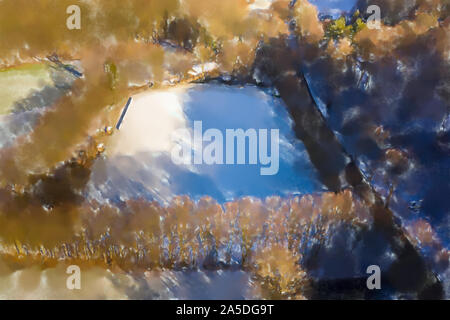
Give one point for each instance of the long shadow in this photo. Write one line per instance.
(279, 62)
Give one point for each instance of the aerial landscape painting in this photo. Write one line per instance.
(224, 149)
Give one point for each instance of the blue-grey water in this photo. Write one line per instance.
(147, 170)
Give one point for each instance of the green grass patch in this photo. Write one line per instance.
(18, 82)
